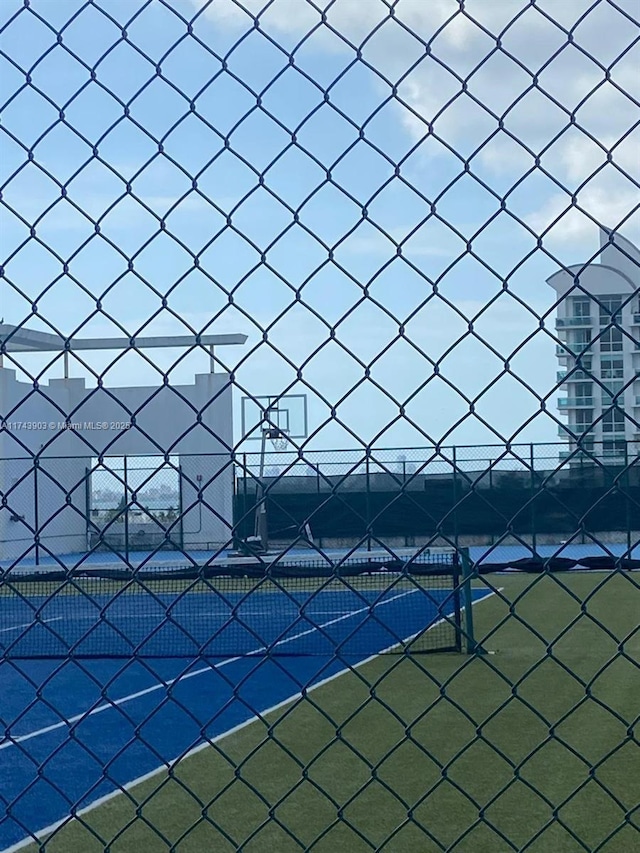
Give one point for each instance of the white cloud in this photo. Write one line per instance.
(567, 223)
(553, 96)
(354, 20)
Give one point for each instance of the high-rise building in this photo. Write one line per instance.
(598, 326)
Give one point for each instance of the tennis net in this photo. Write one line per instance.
(357, 606)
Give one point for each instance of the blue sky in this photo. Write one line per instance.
(255, 150)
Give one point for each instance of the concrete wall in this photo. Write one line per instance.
(186, 421)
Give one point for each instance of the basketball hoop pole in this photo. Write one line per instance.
(260, 530)
(278, 419)
(274, 434)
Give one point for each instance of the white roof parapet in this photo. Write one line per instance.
(17, 339)
(615, 270)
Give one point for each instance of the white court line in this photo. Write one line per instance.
(31, 624)
(7, 742)
(202, 746)
(240, 612)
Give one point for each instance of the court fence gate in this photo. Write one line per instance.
(118, 522)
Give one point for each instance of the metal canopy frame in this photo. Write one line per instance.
(19, 339)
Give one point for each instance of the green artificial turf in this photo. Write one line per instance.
(531, 746)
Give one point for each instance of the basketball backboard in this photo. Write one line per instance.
(286, 414)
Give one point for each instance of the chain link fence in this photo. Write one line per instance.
(298, 298)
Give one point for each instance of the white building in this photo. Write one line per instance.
(598, 324)
(53, 436)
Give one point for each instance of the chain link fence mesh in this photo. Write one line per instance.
(413, 224)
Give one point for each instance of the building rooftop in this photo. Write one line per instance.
(617, 267)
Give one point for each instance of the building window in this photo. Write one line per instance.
(583, 393)
(614, 448)
(613, 421)
(583, 420)
(583, 389)
(610, 309)
(581, 338)
(611, 368)
(611, 340)
(581, 308)
(613, 388)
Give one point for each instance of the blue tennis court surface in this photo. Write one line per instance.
(95, 725)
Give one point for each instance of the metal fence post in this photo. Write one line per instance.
(627, 496)
(180, 508)
(36, 510)
(534, 537)
(368, 497)
(455, 496)
(87, 504)
(126, 511)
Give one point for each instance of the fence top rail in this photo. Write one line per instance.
(452, 454)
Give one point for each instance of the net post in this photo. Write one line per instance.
(473, 648)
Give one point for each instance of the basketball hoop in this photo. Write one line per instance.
(279, 438)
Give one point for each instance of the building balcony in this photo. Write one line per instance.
(570, 350)
(564, 322)
(575, 402)
(572, 429)
(635, 319)
(574, 376)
